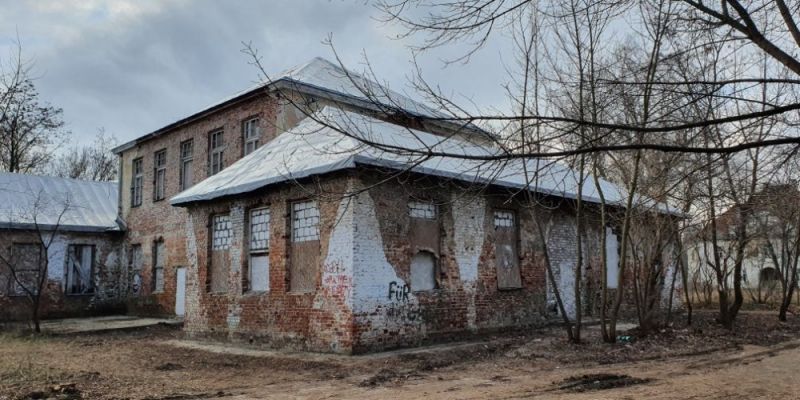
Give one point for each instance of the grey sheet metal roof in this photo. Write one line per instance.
(320, 77)
(317, 146)
(49, 202)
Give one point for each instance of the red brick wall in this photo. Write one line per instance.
(318, 320)
(155, 220)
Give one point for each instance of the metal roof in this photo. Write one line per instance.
(323, 78)
(28, 201)
(318, 145)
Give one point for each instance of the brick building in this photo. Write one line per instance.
(66, 232)
(266, 217)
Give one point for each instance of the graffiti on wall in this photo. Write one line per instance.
(400, 306)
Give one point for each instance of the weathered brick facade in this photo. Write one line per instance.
(355, 291)
(107, 296)
(156, 220)
(362, 300)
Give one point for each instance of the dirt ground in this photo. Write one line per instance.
(759, 360)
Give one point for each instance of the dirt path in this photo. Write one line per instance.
(761, 360)
(752, 373)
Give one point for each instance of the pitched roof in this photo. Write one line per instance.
(324, 78)
(317, 146)
(46, 201)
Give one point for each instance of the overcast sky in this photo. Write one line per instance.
(132, 66)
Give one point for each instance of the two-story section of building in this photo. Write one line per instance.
(161, 164)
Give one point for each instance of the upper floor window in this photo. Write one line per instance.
(252, 135)
(187, 155)
(159, 174)
(216, 146)
(137, 179)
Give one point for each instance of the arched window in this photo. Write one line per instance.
(423, 271)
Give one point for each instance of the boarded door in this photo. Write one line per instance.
(180, 292)
(505, 252)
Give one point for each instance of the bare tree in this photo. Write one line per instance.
(95, 162)
(28, 264)
(30, 129)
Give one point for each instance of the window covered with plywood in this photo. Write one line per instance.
(305, 246)
(259, 250)
(506, 254)
(221, 238)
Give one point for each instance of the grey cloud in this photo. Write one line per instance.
(133, 74)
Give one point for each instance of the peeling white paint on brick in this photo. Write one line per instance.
(381, 299)
(469, 215)
(337, 273)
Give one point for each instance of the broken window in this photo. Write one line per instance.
(159, 174)
(28, 259)
(221, 237)
(216, 145)
(187, 155)
(505, 254)
(423, 271)
(80, 269)
(612, 259)
(252, 135)
(158, 265)
(259, 249)
(305, 254)
(137, 180)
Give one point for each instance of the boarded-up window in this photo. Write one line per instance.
(135, 264)
(612, 259)
(158, 265)
(80, 269)
(424, 226)
(221, 237)
(505, 254)
(305, 252)
(423, 271)
(28, 260)
(259, 250)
